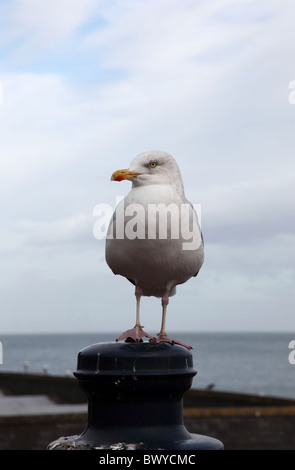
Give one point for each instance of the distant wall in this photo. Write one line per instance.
(36, 432)
(59, 389)
(236, 430)
(251, 430)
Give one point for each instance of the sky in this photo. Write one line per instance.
(85, 87)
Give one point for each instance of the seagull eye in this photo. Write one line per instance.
(153, 164)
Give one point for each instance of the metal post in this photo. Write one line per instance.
(135, 395)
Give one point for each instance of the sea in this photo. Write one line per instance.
(255, 363)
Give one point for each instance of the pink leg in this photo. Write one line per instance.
(136, 333)
(162, 336)
(165, 302)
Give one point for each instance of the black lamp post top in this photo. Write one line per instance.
(140, 359)
(134, 393)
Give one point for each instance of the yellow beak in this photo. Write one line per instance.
(120, 175)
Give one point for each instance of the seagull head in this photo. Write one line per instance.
(153, 167)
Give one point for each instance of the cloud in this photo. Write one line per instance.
(68, 231)
(52, 129)
(273, 258)
(248, 213)
(34, 28)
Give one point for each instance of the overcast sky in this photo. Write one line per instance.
(86, 86)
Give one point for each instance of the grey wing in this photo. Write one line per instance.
(194, 210)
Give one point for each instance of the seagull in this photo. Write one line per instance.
(154, 238)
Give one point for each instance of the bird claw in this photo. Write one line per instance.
(135, 335)
(163, 338)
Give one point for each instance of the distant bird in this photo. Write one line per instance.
(210, 386)
(154, 238)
